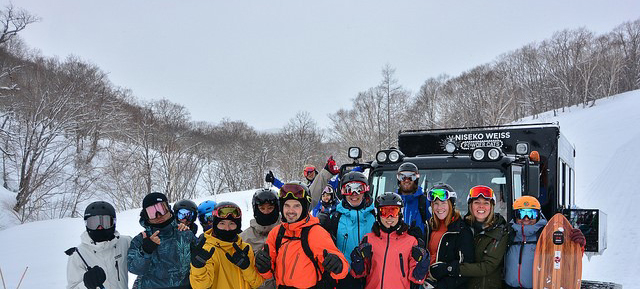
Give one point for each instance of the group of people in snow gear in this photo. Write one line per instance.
(405, 239)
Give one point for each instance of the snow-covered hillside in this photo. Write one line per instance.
(606, 175)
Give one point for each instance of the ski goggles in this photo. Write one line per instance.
(441, 194)
(354, 188)
(407, 175)
(327, 190)
(184, 214)
(206, 218)
(295, 190)
(481, 191)
(389, 211)
(157, 210)
(532, 214)
(104, 221)
(308, 170)
(227, 211)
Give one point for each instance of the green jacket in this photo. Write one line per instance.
(490, 247)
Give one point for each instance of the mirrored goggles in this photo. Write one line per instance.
(532, 214)
(184, 214)
(104, 221)
(387, 211)
(157, 210)
(441, 194)
(226, 211)
(206, 218)
(481, 191)
(354, 188)
(407, 175)
(297, 191)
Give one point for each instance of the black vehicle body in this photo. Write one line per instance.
(509, 172)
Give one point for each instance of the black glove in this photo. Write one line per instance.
(576, 236)
(418, 253)
(148, 246)
(332, 262)
(323, 218)
(269, 178)
(421, 256)
(199, 255)
(357, 261)
(240, 258)
(417, 232)
(94, 277)
(440, 269)
(263, 260)
(365, 248)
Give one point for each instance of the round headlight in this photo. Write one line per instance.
(450, 147)
(394, 156)
(478, 154)
(522, 148)
(381, 157)
(493, 154)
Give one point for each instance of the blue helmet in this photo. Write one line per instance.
(204, 208)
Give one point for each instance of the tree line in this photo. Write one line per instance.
(68, 135)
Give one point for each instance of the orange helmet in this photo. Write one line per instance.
(526, 202)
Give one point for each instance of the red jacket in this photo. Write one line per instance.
(291, 266)
(391, 265)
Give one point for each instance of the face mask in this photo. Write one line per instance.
(224, 235)
(102, 235)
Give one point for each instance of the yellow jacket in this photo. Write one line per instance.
(219, 272)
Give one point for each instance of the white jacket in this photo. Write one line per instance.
(111, 256)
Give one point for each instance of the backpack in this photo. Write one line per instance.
(325, 280)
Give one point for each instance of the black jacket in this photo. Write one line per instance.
(456, 245)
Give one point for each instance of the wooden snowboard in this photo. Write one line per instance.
(558, 261)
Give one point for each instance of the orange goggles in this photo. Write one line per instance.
(389, 211)
(481, 191)
(226, 211)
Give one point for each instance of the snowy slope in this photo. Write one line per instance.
(605, 137)
(607, 166)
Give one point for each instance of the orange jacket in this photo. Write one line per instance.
(291, 266)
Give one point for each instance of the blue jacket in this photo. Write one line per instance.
(321, 209)
(277, 183)
(517, 273)
(411, 212)
(169, 264)
(352, 226)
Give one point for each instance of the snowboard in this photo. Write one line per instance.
(558, 260)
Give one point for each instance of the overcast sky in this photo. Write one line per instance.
(263, 61)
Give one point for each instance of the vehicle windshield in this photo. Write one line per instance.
(461, 180)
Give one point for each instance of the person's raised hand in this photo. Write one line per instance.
(151, 243)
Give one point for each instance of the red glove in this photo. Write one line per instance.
(331, 166)
(576, 236)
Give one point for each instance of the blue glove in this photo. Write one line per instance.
(421, 256)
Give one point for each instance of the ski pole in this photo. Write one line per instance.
(23, 273)
(2, 277)
(70, 251)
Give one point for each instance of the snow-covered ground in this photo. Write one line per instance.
(606, 178)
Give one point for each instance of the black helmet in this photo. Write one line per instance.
(453, 196)
(294, 187)
(265, 196)
(408, 167)
(99, 208)
(389, 199)
(186, 204)
(353, 176)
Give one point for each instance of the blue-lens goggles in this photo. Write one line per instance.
(532, 214)
(184, 214)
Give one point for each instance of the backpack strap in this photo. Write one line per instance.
(279, 238)
(304, 239)
(332, 225)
